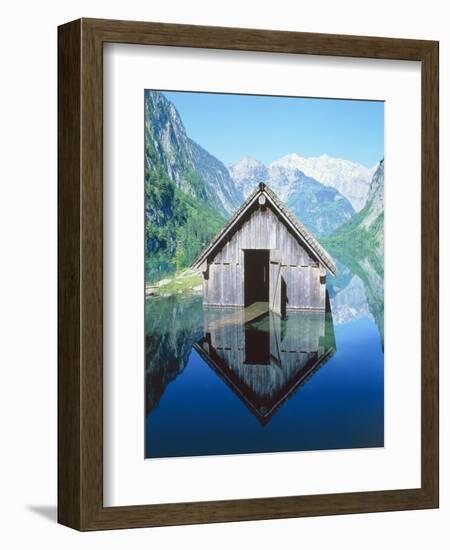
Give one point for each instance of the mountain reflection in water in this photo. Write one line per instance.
(216, 384)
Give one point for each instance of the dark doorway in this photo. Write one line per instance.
(256, 276)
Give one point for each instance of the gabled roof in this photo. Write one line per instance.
(297, 228)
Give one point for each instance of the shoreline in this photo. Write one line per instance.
(186, 281)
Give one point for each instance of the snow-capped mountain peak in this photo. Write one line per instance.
(244, 165)
(246, 173)
(322, 208)
(291, 161)
(348, 177)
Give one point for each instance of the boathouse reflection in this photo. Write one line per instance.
(267, 358)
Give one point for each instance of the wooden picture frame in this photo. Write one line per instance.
(80, 271)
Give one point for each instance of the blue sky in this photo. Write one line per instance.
(267, 128)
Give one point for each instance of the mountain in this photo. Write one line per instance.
(373, 219)
(319, 207)
(247, 173)
(188, 192)
(364, 234)
(322, 209)
(186, 163)
(351, 179)
(222, 192)
(359, 244)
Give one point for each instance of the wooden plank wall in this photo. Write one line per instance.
(304, 289)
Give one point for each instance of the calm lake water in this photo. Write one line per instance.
(311, 381)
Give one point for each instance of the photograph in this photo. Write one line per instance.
(264, 274)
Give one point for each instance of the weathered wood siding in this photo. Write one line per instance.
(290, 263)
(304, 289)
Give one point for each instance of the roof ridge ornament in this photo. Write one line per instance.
(262, 186)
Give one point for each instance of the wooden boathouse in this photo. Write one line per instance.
(265, 255)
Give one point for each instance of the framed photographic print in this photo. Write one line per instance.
(248, 274)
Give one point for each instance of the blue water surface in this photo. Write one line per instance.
(198, 403)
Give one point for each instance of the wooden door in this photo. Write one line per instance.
(275, 282)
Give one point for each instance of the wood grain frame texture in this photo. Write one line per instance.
(80, 273)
